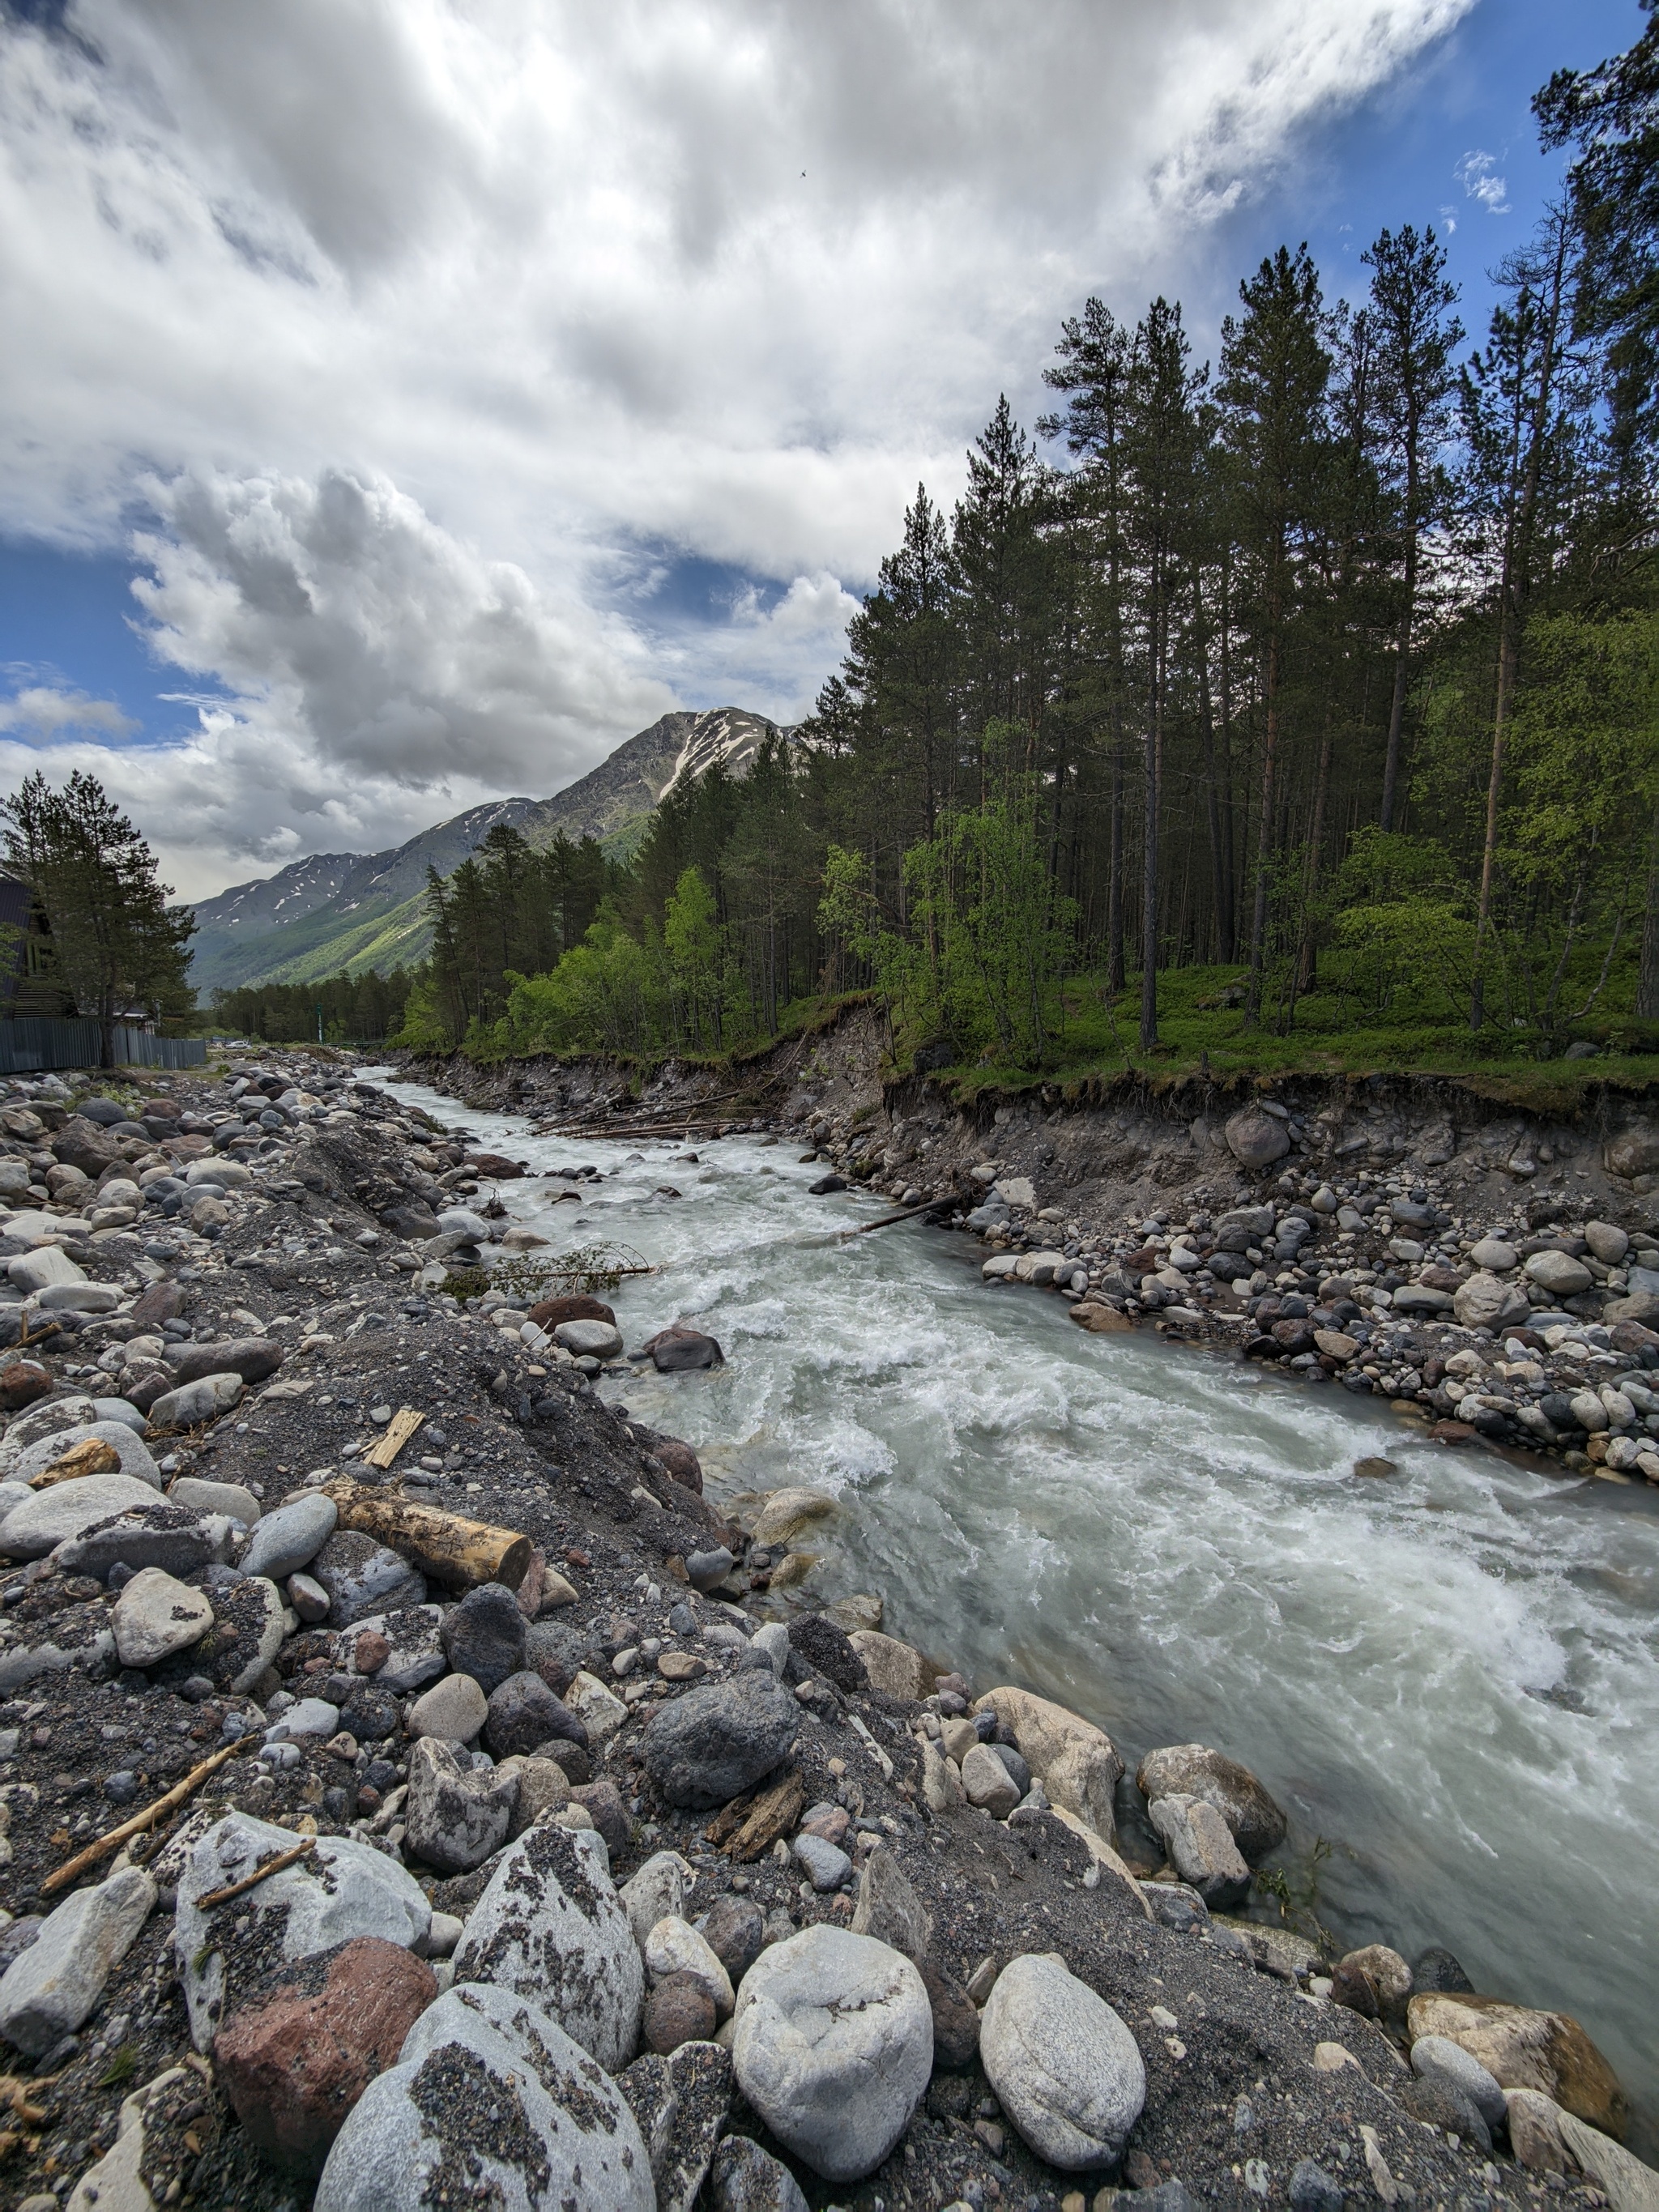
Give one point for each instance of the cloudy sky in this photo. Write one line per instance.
(406, 400)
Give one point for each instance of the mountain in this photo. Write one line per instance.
(358, 911)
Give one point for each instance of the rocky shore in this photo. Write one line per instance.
(520, 1842)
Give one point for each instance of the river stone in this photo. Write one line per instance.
(787, 1514)
(52, 1987)
(39, 1269)
(987, 1782)
(543, 1788)
(827, 1648)
(153, 1535)
(251, 1357)
(1255, 1139)
(1559, 1274)
(1437, 2057)
(1076, 1762)
(1495, 1255)
(895, 1669)
(1193, 1770)
(1634, 1151)
(1201, 1848)
(889, 1909)
(682, 2103)
(201, 1496)
(941, 1783)
(524, 1714)
(674, 1947)
(414, 1654)
(589, 1339)
(734, 1929)
(485, 1635)
(833, 2047)
(364, 1578)
(1525, 2050)
(1628, 2184)
(682, 1351)
(452, 1710)
(341, 1889)
(744, 2178)
(1534, 2125)
(1607, 1243)
(291, 1537)
(1486, 1301)
(1065, 2067)
(456, 1815)
(678, 2011)
(711, 1744)
(248, 1633)
(550, 1926)
(42, 1520)
(655, 1892)
(156, 1616)
(492, 2102)
(129, 1449)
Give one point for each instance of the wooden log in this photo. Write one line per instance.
(750, 1825)
(92, 1456)
(446, 1546)
(140, 1821)
(907, 1213)
(403, 1427)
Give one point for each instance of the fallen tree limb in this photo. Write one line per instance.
(135, 1826)
(446, 1546)
(907, 1213)
(252, 1880)
(403, 1427)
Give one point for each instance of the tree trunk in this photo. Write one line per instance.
(1647, 978)
(1264, 835)
(1115, 969)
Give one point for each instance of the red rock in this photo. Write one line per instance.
(577, 1307)
(575, 1559)
(1451, 1432)
(161, 1301)
(831, 1825)
(680, 1461)
(21, 1383)
(495, 1166)
(295, 2060)
(531, 1589)
(370, 1652)
(679, 2010)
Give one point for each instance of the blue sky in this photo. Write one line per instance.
(687, 546)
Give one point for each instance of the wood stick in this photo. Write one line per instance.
(252, 1880)
(908, 1213)
(446, 1545)
(403, 1427)
(140, 1821)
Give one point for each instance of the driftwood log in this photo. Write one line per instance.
(446, 1546)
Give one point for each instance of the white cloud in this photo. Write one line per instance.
(1476, 173)
(556, 282)
(50, 710)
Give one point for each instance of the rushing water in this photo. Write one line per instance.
(1450, 1675)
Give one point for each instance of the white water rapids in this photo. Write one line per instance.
(1451, 1674)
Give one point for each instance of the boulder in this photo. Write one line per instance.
(1437, 2056)
(550, 1927)
(712, 1743)
(1521, 2048)
(895, 1669)
(941, 1783)
(1627, 2182)
(833, 2047)
(254, 1358)
(158, 1535)
(52, 1987)
(1201, 1848)
(1193, 1770)
(202, 1495)
(1255, 1139)
(49, 1419)
(341, 1889)
(734, 1929)
(485, 1635)
(42, 1520)
(674, 1948)
(1534, 2125)
(1076, 1762)
(131, 1453)
(544, 1787)
(681, 1351)
(1065, 2067)
(548, 1313)
(828, 1650)
(295, 2059)
(524, 1714)
(678, 2011)
(1495, 1255)
(38, 1270)
(1559, 1274)
(415, 1652)
(156, 1616)
(290, 1538)
(1634, 1151)
(492, 2103)
(987, 1784)
(452, 1710)
(743, 2178)
(192, 1403)
(248, 1630)
(1487, 1301)
(589, 1339)
(680, 2103)
(788, 1514)
(456, 1815)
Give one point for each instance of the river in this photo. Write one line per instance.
(1451, 1675)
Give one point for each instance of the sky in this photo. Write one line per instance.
(406, 401)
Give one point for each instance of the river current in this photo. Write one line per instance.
(1450, 1675)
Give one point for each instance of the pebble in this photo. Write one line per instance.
(825, 1865)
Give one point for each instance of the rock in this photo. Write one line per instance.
(712, 1743)
(1526, 2049)
(589, 1339)
(22, 1382)
(309, 1599)
(894, 1669)
(80, 1297)
(157, 1535)
(415, 1652)
(115, 2183)
(682, 1463)
(451, 1711)
(485, 1635)
(291, 1537)
(193, 1402)
(51, 1988)
(295, 2060)
(254, 1358)
(790, 1513)
(679, 1351)
(1607, 1243)
(248, 1631)
(133, 1455)
(674, 1948)
(1065, 2067)
(743, 2178)
(1386, 1971)
(823, 1185)
(46, 1518)
(889, 1909)
(770, 1642)
(705, 1570)
(548, 1313)
(833, 2047)
(1075, 1761)
(549, 1927)
(1313, 2190)
(199, 1496)
(364, 1579)
(826, 1865)
(941, 1784)
(490, 2103)
(1534, 2126)
(1100, 1319)
(828, 1650)
(734, 1929)
(1201, 1848)
(1438, 1971)
(1559, 1274)
(1634, 1151)
(1485, 1301)
(678, 2011)
(524, 1714)
(370, 1714)
(38, 1270)
(456, 1814)
(1420, 1297)
(1257, 1824)
(599, 1712)
(987, 1784)
(1255, 1139)
(1629, 2184)
(156, 1616)
(603, 1803)
(955, 2023)
(655, 1891)
(1437, 2056)
(543, 1788)
(340, 1890)
(680, 2103)
(1494, 1255)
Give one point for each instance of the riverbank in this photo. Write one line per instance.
(314, 1273)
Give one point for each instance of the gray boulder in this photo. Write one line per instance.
(524, 1713)
(156, 1615)
(485, 1635)
(37, 1521)
(490, 2102)
(290, 1538)
(1193, 1770)
(49, 1990)
(680, 2103)
(1201, 1848)
(158, 1535)
(712, 1744)
(250, 1357)
(203, 1400)
(550, 1926)
(889, 1908)
(833, 2047)
(363, 1578)
(456, 1814)
(744, 2178)
(654, 1891)
(1255, 1139)
(453, 1709)
(1064, 2066)
(1437, 2057)
(50, 1418)
(129, 1449)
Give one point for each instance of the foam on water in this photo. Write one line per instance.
(1450, 1675)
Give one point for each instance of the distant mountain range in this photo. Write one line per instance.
(358, 911)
